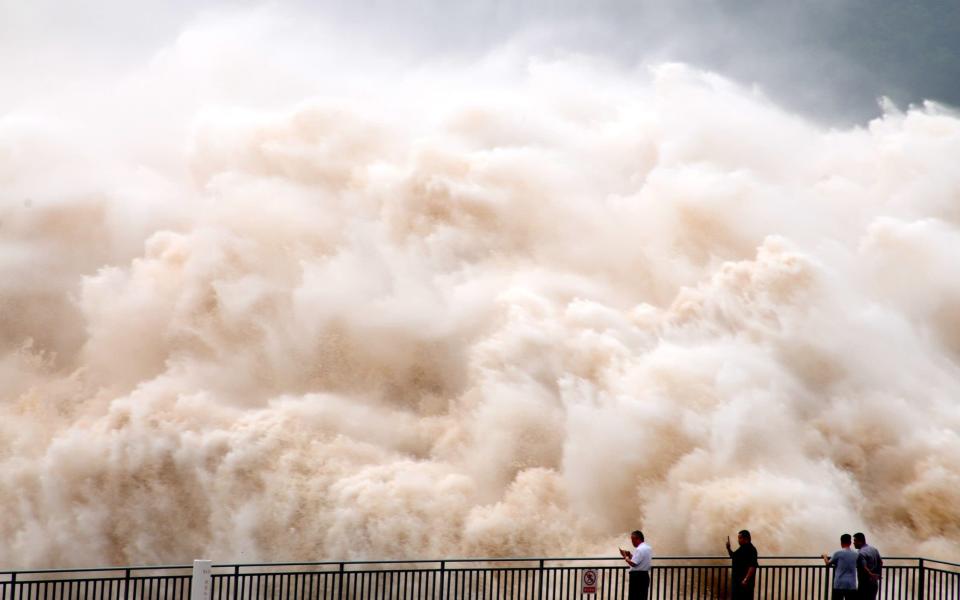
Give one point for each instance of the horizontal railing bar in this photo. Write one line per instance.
(493, 570)
(941, 562)
(526, 559)
(945, 572)
(364, 572)
(92, 579)
(329, 562)
(375, 572)
(425, 561)
(518, 559)
(100, 569)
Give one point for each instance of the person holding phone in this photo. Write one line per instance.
(744, 567)
(640, 561)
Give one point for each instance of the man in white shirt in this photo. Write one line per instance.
(639, 561)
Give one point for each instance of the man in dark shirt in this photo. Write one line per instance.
(744, 567)
(869, 567)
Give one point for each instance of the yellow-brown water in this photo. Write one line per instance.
(500, 308)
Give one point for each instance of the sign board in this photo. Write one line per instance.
(589, 580)
(200, 586)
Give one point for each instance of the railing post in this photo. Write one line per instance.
(921, 580)
(340, 579)
(443, 573)
(126, 584)
(540, 591)
(827, 582)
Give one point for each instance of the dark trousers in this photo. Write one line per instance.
(868, 589)
(741, 592)
(839, 594)
(639, 585)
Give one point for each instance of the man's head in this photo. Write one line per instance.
(636, 537)
(743, 537)
(845, 540)
(859, 540)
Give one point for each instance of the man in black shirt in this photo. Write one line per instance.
(744, 567)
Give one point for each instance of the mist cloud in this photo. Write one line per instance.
(274, 296)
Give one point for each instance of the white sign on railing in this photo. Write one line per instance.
(200, 586)
(589, 581)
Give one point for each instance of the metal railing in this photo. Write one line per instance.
(702, 578)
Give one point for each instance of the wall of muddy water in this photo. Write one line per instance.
(262, 299)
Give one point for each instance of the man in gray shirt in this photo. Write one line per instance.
(844, 563)
(869, 567)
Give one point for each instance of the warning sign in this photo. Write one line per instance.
(200, 588)
(589, 580)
